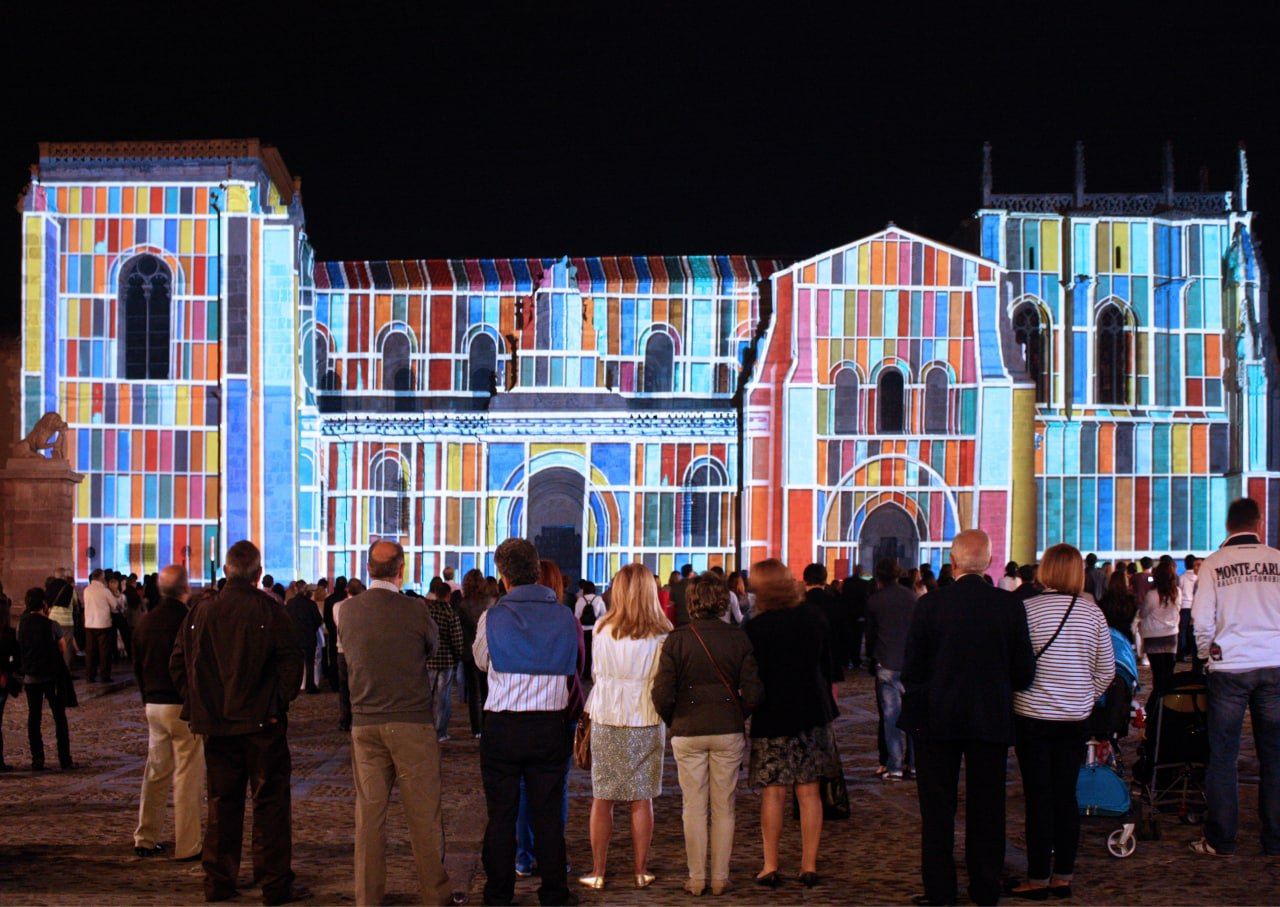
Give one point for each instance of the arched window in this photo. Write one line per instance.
(659, 363)
(702, 507)
(388, 502)
(891, 402)
(846, 402)
(1111, 355)
(146, 285)
(1030, 335)
(397, 371)
(935, 401)
(482, 364)
(319, 360)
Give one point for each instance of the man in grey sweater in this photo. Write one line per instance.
(387, 638)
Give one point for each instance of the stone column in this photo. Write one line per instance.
(37, 503)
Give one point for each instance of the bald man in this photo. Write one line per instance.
(174, 754)
(968, 650)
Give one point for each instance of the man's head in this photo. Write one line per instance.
(448, 574)
(1090, 561)
(244, 562)
(354, 588)
(97, 576)
(686, 571)
(386, 562)
(971, 552)
(1189, 562)
(173, 582)
(517, 562)
(886, 572)
(35, 600)
(268, 581)
(1146, 563)
(814, 575)
(1244, 515)
(1027, 572)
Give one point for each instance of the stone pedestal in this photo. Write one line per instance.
(37, 503)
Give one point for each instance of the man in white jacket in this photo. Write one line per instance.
(1236, 615)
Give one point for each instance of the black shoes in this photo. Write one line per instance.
(810, 879)
(153, 851)
(770, 879)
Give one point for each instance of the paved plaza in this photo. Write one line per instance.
(66, 838)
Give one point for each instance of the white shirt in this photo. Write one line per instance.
(517, 692)
(1009, 583)
(623, 671)
(1237, 606)
(99, 602)
(1187, 589)
(734, 611)
(1159, 618)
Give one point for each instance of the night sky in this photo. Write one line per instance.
(550, 129)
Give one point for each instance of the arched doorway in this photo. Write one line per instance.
(888, 532)
(555, 503)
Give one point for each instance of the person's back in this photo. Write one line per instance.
(386, 639)
(889, 612)
(792, 655)
(1236, 616)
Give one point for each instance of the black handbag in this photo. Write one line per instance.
(834, 793)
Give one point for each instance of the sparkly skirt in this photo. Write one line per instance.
(802, 759)
(626, 762)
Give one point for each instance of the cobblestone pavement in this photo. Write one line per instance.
(66, 838)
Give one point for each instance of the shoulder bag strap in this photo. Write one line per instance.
(723, 679)
(1061, 624)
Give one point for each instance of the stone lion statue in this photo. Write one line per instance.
(48, 435)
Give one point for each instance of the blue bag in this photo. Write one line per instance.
(1101, 792)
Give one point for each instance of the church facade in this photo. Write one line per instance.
(1096, 369)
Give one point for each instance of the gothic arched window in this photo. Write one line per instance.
(482, 364)
(935, 401)
(1030, 334)
(846, 402)
(146, 286)
(388, 501)
(891, 404)
(1111, 356)
(319, 360)
(701, 506)
(397, 370)
(659, 363)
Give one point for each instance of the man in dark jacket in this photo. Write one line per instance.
(831, 614)
(889, 612)
(174, 754)
(968, 650)
(237, 667)
(306, 621)
(678, 591)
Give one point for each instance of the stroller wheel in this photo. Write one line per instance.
(1122, 842)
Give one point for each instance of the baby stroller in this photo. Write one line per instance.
(1174, 750)
(1100, 787)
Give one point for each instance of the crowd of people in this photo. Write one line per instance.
(737, 670)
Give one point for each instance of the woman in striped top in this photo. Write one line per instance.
(1074, 666)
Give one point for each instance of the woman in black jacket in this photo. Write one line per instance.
(792, 742)
(41, 644)
(705, 686)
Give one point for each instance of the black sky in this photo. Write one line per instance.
(548, 129)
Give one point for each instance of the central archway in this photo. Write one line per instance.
(556, 500)
(888, 532)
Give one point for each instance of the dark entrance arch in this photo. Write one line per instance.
(555, 503)
(888, 532)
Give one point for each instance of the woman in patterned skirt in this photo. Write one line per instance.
(792, 743)
(626, 733)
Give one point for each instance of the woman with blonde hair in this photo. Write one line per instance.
(627, 738)
(792, 744)
(1074, 666)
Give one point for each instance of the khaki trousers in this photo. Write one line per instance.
(381, 755)
(708, 771)
(176, 755)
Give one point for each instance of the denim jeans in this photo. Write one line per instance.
(441, 700)
(1229, 695)
(889, 694)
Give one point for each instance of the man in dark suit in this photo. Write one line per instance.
(831, 614)
(237, 667)
(678, 596)
(338, 594)
(968, 650)
(306, 621)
